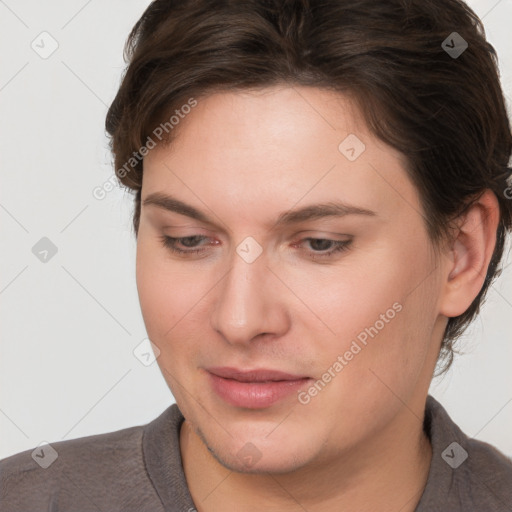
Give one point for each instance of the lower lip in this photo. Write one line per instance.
(254, 395)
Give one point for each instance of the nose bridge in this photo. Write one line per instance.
(246, 305)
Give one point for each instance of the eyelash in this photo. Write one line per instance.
(169, 243)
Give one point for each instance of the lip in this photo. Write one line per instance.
(254, 389)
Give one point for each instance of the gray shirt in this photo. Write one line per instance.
(139, 469)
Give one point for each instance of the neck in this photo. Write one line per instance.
(387, 472)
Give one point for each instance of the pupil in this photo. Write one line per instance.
(324, 244)
(189, 241)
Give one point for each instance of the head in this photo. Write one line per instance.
(243, 114)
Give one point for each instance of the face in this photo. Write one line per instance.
(287, 338)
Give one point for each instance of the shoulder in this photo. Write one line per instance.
(85, 473)
(465, 474)
(488, 475)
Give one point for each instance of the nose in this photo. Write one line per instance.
(249, 302)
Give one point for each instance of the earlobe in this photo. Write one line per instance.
(470, 255)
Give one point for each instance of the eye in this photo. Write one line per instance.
(189, 242)
(190, 245)
(325, 247)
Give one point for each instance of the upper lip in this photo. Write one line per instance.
(255, 375)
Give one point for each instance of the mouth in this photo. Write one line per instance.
(254, 389)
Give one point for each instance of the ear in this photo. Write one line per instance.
(470, 253)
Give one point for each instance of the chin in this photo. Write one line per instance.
(282, 463)
(278, 456)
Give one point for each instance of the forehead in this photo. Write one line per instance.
(275, 147)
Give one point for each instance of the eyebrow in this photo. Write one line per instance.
(306, 213)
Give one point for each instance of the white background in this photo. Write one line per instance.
(69, 326)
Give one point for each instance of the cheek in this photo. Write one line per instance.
(162, 294)
(388, 341)
(173, 306)
(379, 313)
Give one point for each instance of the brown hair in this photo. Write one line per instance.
(445, 112)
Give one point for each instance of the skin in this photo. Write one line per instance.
(243, 158)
